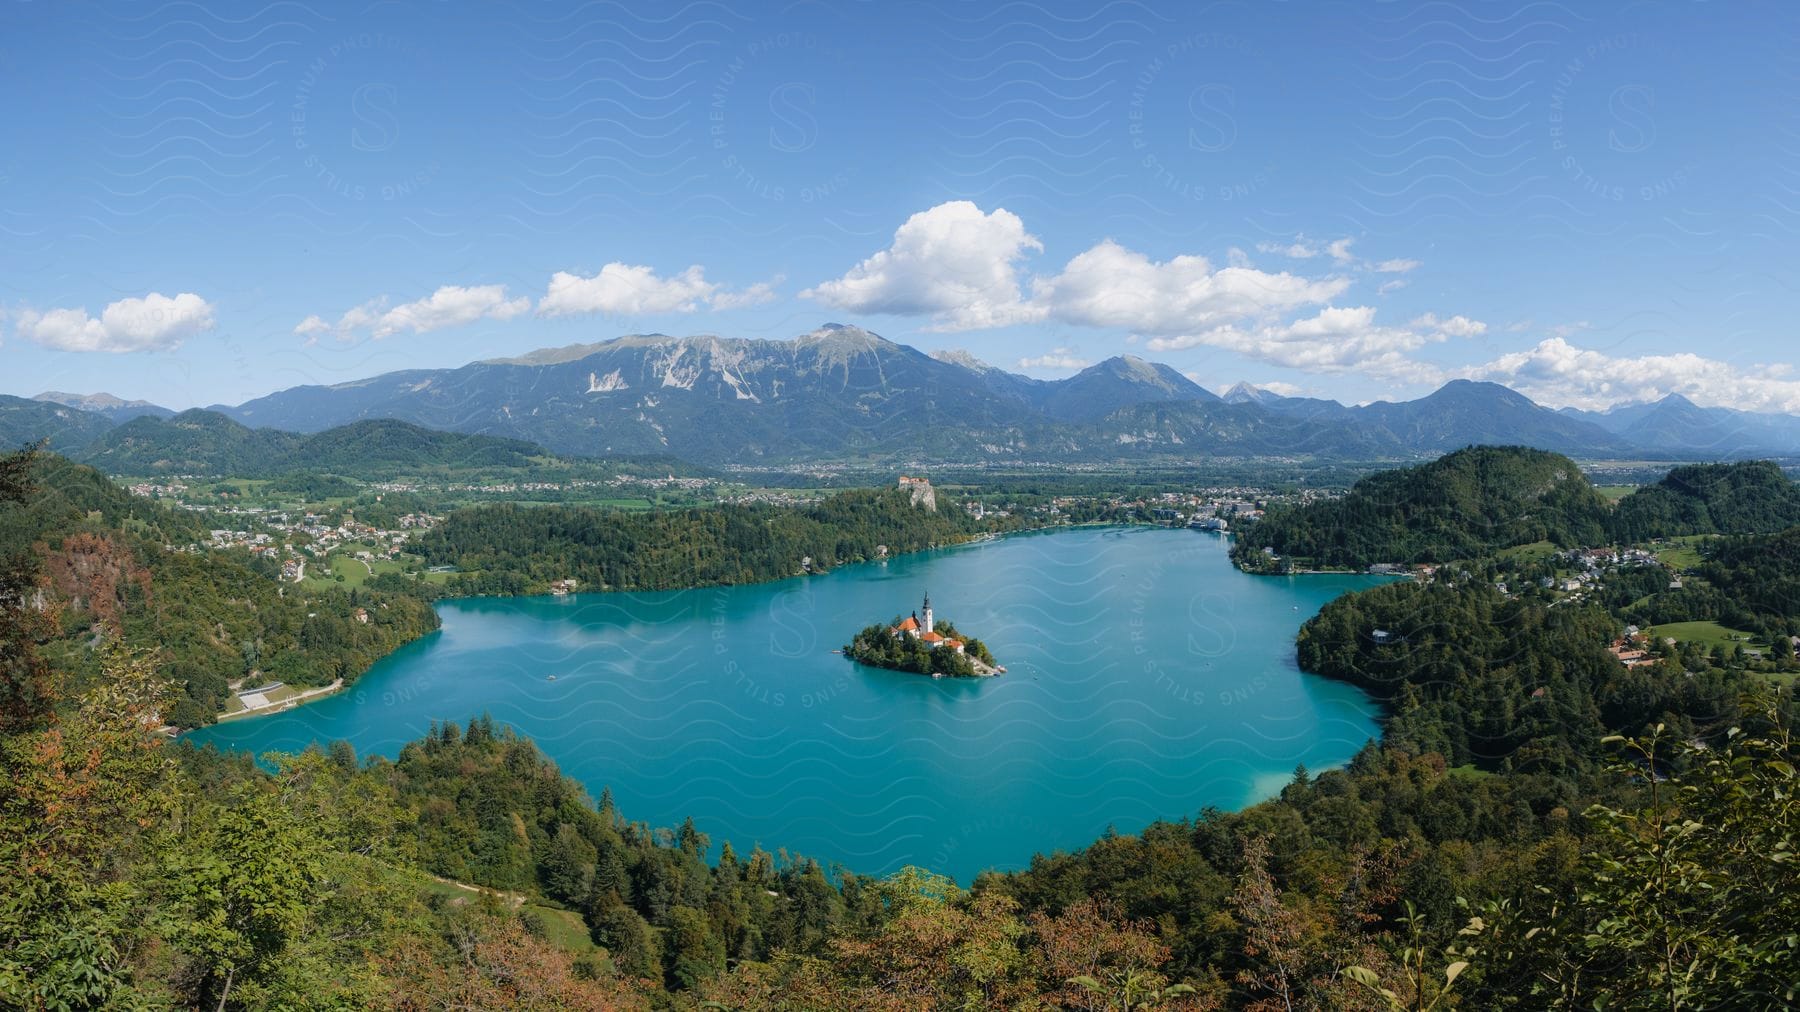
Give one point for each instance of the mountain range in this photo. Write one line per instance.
(206, 442)
(116, 408)
(841, 393)
(1682, 427)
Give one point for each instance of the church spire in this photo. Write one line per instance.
(925, 621)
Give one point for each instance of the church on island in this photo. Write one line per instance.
(925, 630)
(922, 644)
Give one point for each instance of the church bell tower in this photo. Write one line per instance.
(925, 621)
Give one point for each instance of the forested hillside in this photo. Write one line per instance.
(508, 549)
(1469, 503)
(1506, 682)
(112, 566)
(1752, 497)
(1750, 582)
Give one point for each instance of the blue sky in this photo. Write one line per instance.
(1356, 200)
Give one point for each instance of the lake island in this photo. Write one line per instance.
(920, 644)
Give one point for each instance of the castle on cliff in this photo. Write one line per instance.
(922, 492)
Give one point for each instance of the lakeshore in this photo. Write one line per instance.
(258, 704)
(1148, 679)
(564, 594)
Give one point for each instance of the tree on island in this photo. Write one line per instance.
(880, 647)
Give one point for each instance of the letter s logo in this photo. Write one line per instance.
(791, 633)
(791, 105)
(1632, 107)
(375, 108)
(1209, 109)
(1211, 631)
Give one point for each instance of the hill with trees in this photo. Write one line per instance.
(1749, 497)
(1466, 504)
(1503, 682)
(508, 549)
(1750, 583)
(112, 567)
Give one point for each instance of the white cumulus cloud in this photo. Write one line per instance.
(1455, 326)
(1560, 374)
(953, 263)
(964, 268)
(626, 289)
(1337, 339)
(449, 306)
(635, 290)
(1280, 388)
(312, 327)
(1111, 286)
(761, 293)
(155, 322)
(1056, 358)
(1301, 248)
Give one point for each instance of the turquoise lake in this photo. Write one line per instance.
(1147, 678)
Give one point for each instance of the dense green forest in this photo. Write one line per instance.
(1484, 499)
(1467, 504)
(507, 549)
(877, 646)
(107, 567)
(1622, 839)
(1750, 582)
(1507, 682)
(1752, 497)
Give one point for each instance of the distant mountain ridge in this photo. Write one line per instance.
(844, 394)
(116, 408)
(833, 393)
(1459, 413)
(24, 421)
(198, 441)
(1685, 427)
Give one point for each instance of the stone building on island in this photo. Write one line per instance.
(924, 630)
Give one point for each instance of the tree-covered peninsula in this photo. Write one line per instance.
(507, 549)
